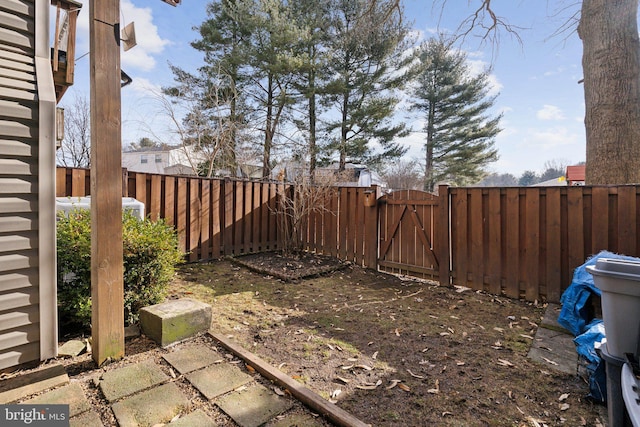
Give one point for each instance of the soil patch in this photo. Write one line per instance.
(289, 268)
(391, 350)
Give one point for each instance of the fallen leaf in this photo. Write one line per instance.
(504, 362)
(404, 387)
(393, 384)
(563, 396)
(375, 355)
(526, 336)
(347, 367)
(564, 406)
(278, 391)
(550, 361)
(445, 413)
(335, 393)
(397, 332)
(365, 367)
(415, 375)
(250, 368)
(344, 380)
(460, 363)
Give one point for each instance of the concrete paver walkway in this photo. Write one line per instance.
(150, 393)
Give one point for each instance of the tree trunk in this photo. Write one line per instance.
(268, 134)
(611, 66)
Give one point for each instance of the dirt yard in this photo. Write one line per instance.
(392, 351)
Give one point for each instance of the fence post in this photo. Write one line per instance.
(442, 242)
(372, 239)
(125, 181)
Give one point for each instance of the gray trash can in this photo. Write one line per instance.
(619, 281)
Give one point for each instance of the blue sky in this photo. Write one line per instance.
(537, 81)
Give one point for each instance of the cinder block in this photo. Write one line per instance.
(175, 320)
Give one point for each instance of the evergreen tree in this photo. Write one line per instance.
(460, 133)
(367, 40)
(225, 35)
(528, 178)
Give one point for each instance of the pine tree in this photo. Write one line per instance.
(367, 43)
(460, 133)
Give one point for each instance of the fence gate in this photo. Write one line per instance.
(408, 223)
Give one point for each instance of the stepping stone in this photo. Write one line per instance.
(192, 358)
(195, 419)
(155, 406)
(254, 406)
(297, 420)
(176, 320)
(554, 349)
(218, 379)
(71, 395)
(131, 379)
(72, 348)
(87, 419)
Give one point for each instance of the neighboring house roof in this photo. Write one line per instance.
(561, 181)
(576, 174)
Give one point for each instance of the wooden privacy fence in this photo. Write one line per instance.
(522, 242)
(526, 242)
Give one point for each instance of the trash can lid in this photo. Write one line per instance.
(617, 267)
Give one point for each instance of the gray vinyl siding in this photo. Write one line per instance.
(21, 326)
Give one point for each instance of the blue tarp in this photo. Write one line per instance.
(575, 316)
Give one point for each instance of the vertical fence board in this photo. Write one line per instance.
(575, 224)
(255, 217)
(532, 242)
(217, 219)
(61, 182)
(78, 183)
(205, 220)
(627, 220)
(227, 242)
(181, 213)
(248, 217)
(512, 242)
(476, 224)
(553, 244)
(461, 254)
(442, 245)
(600, 229)
(154, 206)
(169, 200)
(273, 219)
(344, 222)
(194, 219)
(141, 188)
(495, 242)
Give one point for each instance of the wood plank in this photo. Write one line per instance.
(205, 220)
(442, 244)
(61, 182)
(181, 214)
(256, 219)
(370, 238)
(317, 403)
(78, 180)
(247, 218)
(141, 188)
(331, 224)
(459, 233)
(227, 241)
(155, 196)
(495, 222)
(599, 228)
(170, 200)
(29, 383)
(273, 217)
(512, 242)
(575, 224)
(217, 219)
(106, 204)
(194, 219)
(264, 217)
(345, 222)
(627, 221)
(476, 238)
(532, 243)
(238, 218)
(554, 245)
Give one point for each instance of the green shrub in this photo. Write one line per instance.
(150, 254)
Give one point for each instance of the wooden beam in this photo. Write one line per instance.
(107, 317)
(337, 415)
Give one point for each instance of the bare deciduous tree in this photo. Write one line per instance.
(75, 150)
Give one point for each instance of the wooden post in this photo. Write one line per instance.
(442, 246)
(107, 317)
(372, 239)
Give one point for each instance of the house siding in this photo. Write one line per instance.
(28, 328)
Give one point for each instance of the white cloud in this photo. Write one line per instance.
(149, 42)
(553, 138)
(550, 112)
